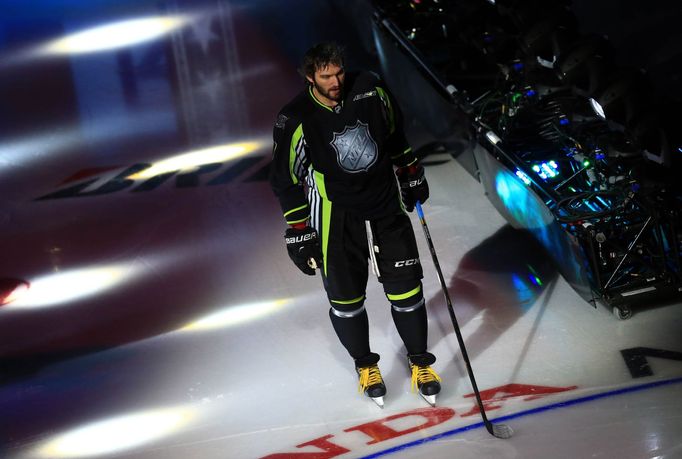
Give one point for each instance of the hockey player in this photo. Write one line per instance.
(338, 148)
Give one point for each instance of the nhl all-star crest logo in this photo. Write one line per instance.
(356, 150)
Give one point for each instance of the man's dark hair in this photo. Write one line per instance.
(320, 56)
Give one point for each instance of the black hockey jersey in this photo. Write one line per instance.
(344, 155)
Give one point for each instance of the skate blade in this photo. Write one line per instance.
(379, 401)
(430, 399)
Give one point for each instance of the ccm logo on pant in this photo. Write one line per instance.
(305, 237)
(401, 263)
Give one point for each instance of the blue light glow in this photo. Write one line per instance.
(534, 277)
(524, 293)
(524, 209)
(592, 207)
(535, 280)
(563, 121)
(524, 178)
(521, 203)
(600, 199)
(547, 170)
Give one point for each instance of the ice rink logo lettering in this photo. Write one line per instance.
(108, 180)
(355, 148)
(405, 423)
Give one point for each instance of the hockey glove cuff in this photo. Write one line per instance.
(304, 250)
(413, 186)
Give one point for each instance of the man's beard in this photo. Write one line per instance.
(327, 94)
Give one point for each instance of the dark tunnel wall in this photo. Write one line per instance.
(645, 35)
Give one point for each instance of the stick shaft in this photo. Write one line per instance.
(451, 310)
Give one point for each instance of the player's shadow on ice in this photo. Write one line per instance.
(496, 282)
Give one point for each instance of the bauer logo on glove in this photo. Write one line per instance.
(303, 247)
(413, 185)
(303, 238)
(417, 182)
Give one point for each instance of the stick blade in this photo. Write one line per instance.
(502, 431)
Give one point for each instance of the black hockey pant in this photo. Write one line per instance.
(346, 243)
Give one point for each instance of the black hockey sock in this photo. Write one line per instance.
(413, 329)
(353, 332)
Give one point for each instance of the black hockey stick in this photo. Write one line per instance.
(497, 430)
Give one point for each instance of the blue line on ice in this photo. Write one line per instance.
(554, 406)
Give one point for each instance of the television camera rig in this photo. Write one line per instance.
(560, 128)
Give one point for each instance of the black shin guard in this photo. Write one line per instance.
(353, 332)
(412, 327)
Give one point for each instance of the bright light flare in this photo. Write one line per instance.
(62, 287)
(492, 137)
(597, 108)
(28, 150)
(117, 434)
(217, 154)
(116, 35)
(11, 290)
(16, 293)
(236, 315)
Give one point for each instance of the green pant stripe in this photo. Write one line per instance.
(403, 296)
(354, 300)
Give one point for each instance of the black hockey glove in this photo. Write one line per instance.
(304, 250)
(413, 186)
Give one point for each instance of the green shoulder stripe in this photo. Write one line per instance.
(387, 103)
(298, 133)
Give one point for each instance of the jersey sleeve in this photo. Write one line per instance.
(289, 168)
(400, 151)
